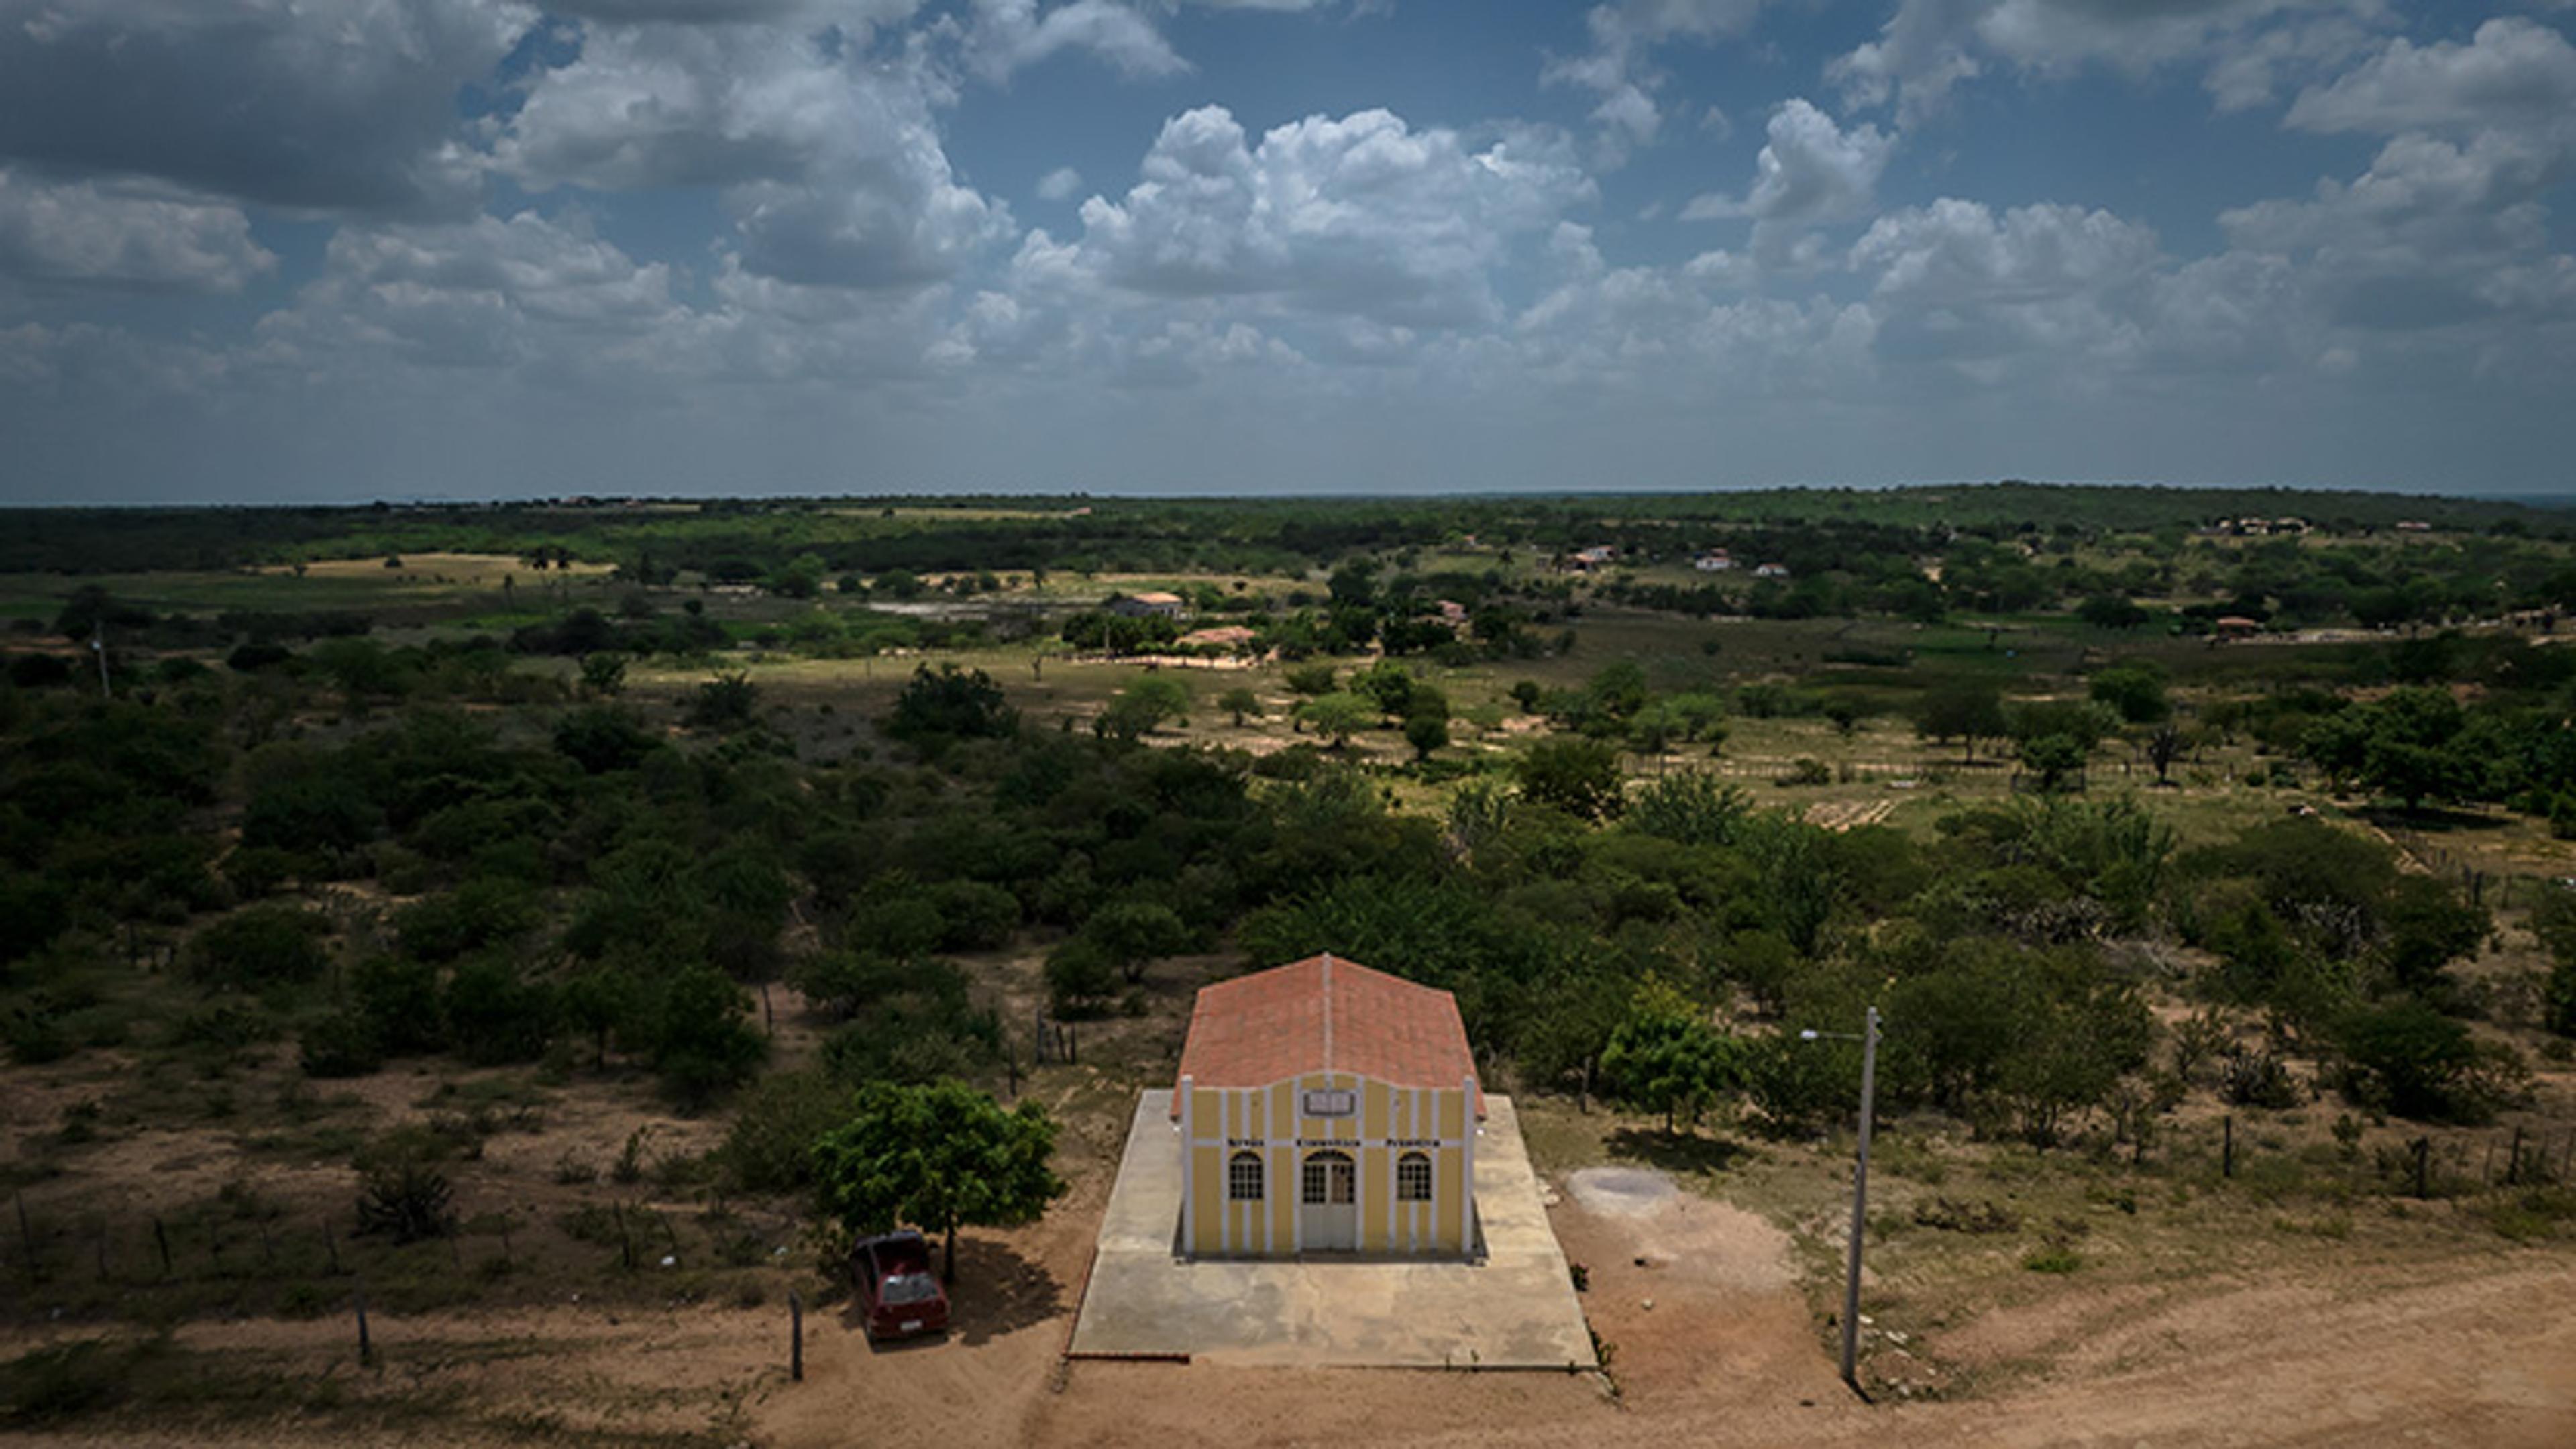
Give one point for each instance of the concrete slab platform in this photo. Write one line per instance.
(1516, 1309)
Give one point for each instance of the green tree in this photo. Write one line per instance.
(1693, 807)
(259, 946)
(2055, 759)
(1142, 707)
(1962, 710)
(1578, 776)
(603, 674)
(2428, 926)
(725, 702)
(951, 703)
(2136, 691)
(702, 1045)
(1133, 933)
(1241, 703)
(941, 1157)
(602, 739)
(2410, 1059)
(799, 578)
(2553, 921)
(1426, 733)
(1667, 1058)
(1338, 716)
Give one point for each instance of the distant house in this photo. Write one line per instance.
(1147, 605)
(1452, 613)
(1772, 571)
(1715, 561)
(1597, 555)
(2413, 525)
(2237, 626)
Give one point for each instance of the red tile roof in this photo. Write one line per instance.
(1325, 1014)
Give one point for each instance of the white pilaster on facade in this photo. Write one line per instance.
(1189, 1171)
(1467, 1170)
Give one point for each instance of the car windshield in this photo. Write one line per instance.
(901, 1287)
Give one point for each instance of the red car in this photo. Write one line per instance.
(896, 1286)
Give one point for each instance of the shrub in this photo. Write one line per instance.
(496, 1016)
(2256, 1077)
(479, 913)
(401, 1191)
(259, 946)
(1578, 776)
(728, 701)
(602, 739)
(770, 1147)
(701, 1044)
(2413, 1061)
(341, 1044)
(950, 703)
(1807, 771)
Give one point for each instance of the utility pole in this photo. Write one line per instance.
(1860, 1188)
(98, 646)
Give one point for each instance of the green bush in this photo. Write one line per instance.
(259, 946)
(341, 1044)
(776, 1122)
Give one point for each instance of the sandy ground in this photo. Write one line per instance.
(1709, 1340)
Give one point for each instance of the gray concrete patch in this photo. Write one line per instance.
(1626, 1191)
(1516, 1309)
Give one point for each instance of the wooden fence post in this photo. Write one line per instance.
(795, 1336)
(2227, 1146)
(2423, 1164)
(2513, 1160)
(366, 1348)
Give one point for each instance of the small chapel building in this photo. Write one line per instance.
(1327, 1108)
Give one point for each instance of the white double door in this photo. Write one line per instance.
(1328, 1203)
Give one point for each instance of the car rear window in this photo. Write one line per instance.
(910, 1288)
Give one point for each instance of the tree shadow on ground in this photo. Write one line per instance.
(1677, 1151)
(2432, 819)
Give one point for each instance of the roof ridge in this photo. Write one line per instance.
(1328, 1010)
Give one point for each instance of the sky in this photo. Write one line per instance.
(341, 250)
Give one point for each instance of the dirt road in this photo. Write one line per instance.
(1710, 1340)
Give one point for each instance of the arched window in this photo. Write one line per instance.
(1243, 1177)
(1413, 1178)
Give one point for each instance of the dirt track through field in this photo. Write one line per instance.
(1711, 1343)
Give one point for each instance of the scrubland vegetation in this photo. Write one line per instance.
(746, 817)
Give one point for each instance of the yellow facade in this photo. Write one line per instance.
(1332, 1150)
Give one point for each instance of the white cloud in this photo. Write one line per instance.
(1007, 36)
(2433, 234)
(1619, 67)
(87, 234)
(1958, 253)
(1059, 184)
(831, 165)
(1810, 172)
(485, 294)
(2242, 47)
(1357, 216)
(2512, 74)
(353, 110)
(2043, 285)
